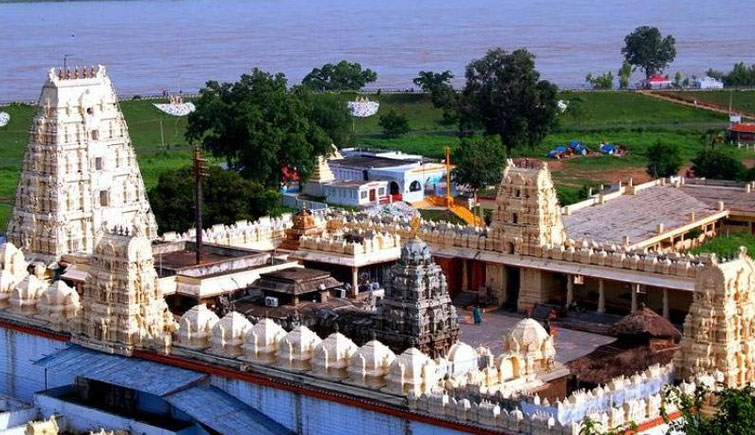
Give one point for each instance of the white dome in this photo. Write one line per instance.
(59, 293)
(266, 332)
(30, 288)
(462, 358)
(336, 347)
(413, 362)
(461, 352)
(295, 350)
(232, 326)
(198, 319)
(374, 355)
(301, 339)
(526, 336)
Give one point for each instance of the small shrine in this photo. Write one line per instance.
(417, 310)
(304, 224)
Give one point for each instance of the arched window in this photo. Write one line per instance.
(415, 186)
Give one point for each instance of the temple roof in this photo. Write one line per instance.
(645, 323)
(636, 216)
(296, 281)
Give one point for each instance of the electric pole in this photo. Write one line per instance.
(200, 171)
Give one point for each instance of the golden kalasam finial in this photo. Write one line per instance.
(415, 222)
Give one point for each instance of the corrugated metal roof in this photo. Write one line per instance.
(134, 373)
(222, 412)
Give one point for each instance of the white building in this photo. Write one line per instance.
(408, 178)
(708, 83)
(356, 193)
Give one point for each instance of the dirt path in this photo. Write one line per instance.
(701, 104)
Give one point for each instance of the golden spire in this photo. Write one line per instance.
(415, 222)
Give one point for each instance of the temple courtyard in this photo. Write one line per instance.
(570, 344)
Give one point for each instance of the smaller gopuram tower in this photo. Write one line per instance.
(527, 216)
(719, 331)
(122, 307)
(417, 310)
(79, 171)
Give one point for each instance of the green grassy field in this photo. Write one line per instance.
(743, 100)
(632, 119)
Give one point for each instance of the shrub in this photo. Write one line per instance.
(394, 124)
(664, 160)
(715, 164)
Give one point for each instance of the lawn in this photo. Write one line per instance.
(628, 118)
(727, 246)
(741, 100)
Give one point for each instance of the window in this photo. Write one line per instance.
(363, 194)
(415, 186)
(104, 198)
(99, 163)
(514, 218)
(381, 191)
(95, 134)
(518, 193)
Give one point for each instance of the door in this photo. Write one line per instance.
(372, 195)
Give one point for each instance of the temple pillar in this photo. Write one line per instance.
(601, 296)
(354, 281)
(464, 275)
(635, 291)
(665, 304)
(569, 289)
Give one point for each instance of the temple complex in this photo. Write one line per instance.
(105, 323)
(79, 171)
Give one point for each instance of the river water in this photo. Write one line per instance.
(153, 45)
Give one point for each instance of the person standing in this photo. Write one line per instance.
(477, 315)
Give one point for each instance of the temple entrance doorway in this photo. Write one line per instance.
(394, 189)
(512, 287)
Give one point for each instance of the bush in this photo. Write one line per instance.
(715, 164)
(664, 160)
(394, 124)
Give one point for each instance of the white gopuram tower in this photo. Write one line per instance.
(79, 171)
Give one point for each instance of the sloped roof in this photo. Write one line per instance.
(645, 323)
(136, 374)
(223, 413)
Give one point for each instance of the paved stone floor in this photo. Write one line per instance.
(570, 344)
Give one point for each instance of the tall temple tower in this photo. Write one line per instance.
(122, 307)
(527, 216)
(719, 331)
(79, 170)
(417, 310)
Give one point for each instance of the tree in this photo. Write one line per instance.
(625, 75)
(678, 79)
(603, 81)
(735, 411)
(228, 197)
(442, 94)
(330, 113)
(479, 162)
(664, 160)
(394, 124)
(645, 48)
(428, 80)
(343, 76)
(505, 96)
(716, 164)
(740, 75)
(259, 126)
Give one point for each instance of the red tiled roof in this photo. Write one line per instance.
(657, 78)
(741, 127)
